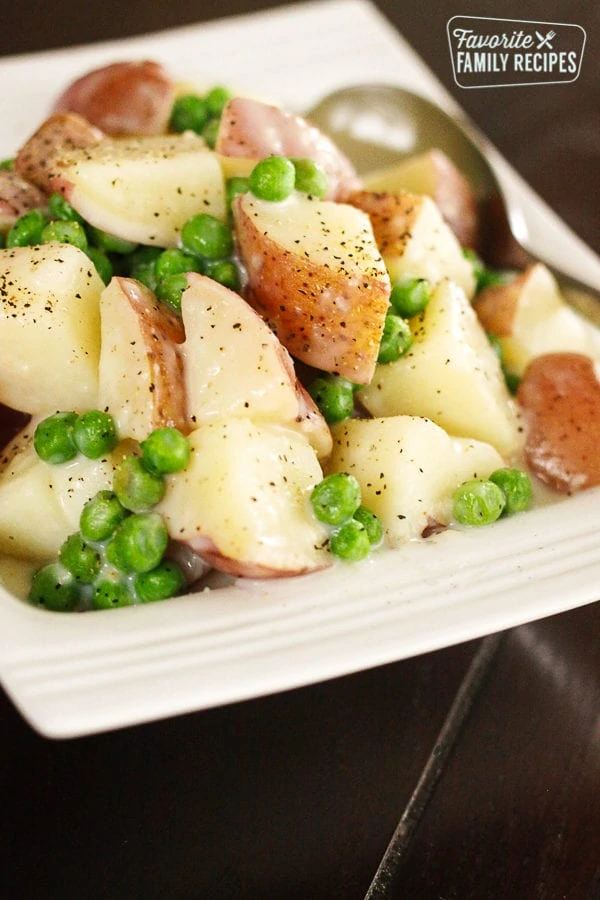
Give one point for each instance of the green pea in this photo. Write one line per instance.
(110, 594)
(517, 489)
(273, 178)
(82, 561)
(336, 498)
(512, 381)
(100, 516)
(141, 265)
(310, 178)
(234, 186)
(484, 277)
(166, 450)
(170, 289)
(371, 523)
(205, 236)
(140, 542)
(210, 132)
(110, 242)
(217, 99)
(395, 340)
(350, 542)
(66, 233)
(26, 231)
(165, 581)
(189, 113)
(59, 208)
(410, 296)
(2, 240)
(7, 164)
(478, 502)
(53, 438)
(136, 488)
(334, 396)
(95, 433)
(54, 588)
(225, 271)
(101, 263)
(175, 262)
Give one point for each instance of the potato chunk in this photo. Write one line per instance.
(414, 239)
(530, 317)
(242, 502)
(408, 469)
(49, 328)
(450, 375)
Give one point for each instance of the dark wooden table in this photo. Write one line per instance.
(487, 753)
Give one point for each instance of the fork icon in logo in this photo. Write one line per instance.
(545, 41)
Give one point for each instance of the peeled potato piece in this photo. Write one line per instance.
(450, 374)
(408, 469)
(123, 98)
(49, 328)
(560, 398)
(242, 502)
(142, 189)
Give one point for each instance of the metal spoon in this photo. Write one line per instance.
(378, 124)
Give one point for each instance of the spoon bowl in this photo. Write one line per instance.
(379, 124)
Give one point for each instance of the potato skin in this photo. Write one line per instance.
(253, 130)
(124, 98)
(560, 398)
(55, 138)
(17, 196)
(325, 317)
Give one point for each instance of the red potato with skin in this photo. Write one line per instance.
(17, 196)
(414, 239)
(141, 380)
(253, 130)
(433, 173)
(56, 138)
(316, 275)
(560, 398)
(124, 98)
(235, 366)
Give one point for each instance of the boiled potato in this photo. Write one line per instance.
(56, 138)
(122, 98)
(142, 189)
(433, 173)
(17, 196)
(560, 397)
(252, 130)
(49, 328)
(235, 366)
(141, 380)
(408, 469)
(315, 273)
(40, 504)
(242, 502)
(530, 317)
(414, 239)
(450, 375)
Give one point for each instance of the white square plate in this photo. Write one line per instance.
(73, 675)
